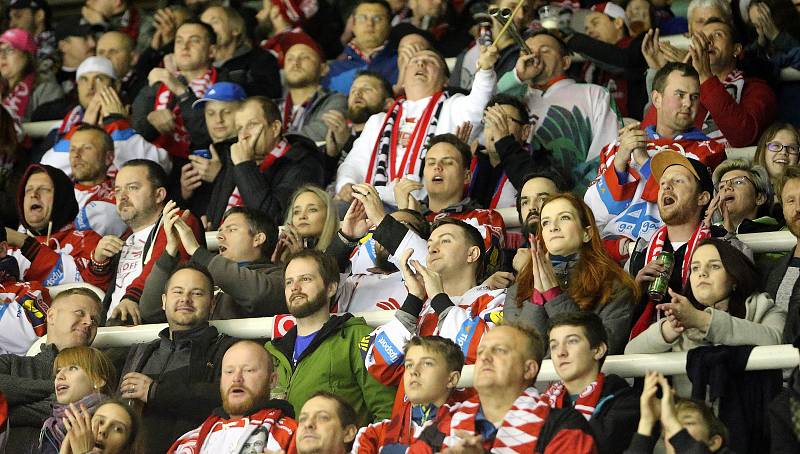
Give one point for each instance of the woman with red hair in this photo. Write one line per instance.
(568, 270)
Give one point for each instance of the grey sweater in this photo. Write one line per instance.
(252, 290)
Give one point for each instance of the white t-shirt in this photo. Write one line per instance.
(130, 265)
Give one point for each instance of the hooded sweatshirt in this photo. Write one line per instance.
(64, 255)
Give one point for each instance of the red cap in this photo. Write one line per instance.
(19, 39)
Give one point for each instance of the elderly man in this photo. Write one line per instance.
(27, 381)
(734, 109)
(393, 145)
(249, 421)
(368, 50)
(560, 105)
(100, 105)
(255, 69)
(176, 378)
(163, 112)
(119, 49)
(306, 102)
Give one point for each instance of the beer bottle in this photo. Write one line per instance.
(658, 288)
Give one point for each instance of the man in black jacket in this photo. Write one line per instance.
(267, 166)
(219, 104)
(251, 67)
(578, 346)
(176, 377)
(507, 157)
(27, 381)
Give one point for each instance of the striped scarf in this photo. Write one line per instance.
(653, 249)
(382, 168)
(587, 400)
(520, 429)
(18, 99)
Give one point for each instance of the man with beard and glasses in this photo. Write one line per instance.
(140, 192)
(374, 282)
(684, 192)
(782, 281)
(307, 101)
(248, 421)
(624, 195)
(370, 94)
(175, 379)
(323, 352)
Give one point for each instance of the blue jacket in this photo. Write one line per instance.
(343, 70)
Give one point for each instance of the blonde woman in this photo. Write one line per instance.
(311, 222)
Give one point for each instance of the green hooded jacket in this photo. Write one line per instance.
(333, 362)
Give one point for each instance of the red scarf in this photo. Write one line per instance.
(289, 115)
(361, 54)
(653, 249)
(587, 399)
(527, 415)
(384, 153)
(177, 144)
(16, 102)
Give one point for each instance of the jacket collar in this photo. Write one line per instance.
(285, 344)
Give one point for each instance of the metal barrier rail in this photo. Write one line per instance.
(672, 363)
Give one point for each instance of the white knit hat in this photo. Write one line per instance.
(100, 65)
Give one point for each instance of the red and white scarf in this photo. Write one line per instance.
(587, 400)
(367, 58)
(17, 100)
(280, 150)
(382, 164)
(734, 85)
(653, 249)
(657, 244)
(71, 119)
(177, 144)
(521, 426)
(293, 119)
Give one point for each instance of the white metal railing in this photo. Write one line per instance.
(672, 363)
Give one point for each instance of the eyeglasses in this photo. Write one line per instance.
(776, 147)
(375, 19)
(735, 182)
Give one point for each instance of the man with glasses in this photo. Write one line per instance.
(367, 50)
(574, 121)
(743, 199)
(625, 196)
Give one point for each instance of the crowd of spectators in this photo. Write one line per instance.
(500, 182)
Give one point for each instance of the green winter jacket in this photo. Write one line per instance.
(333, 362)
